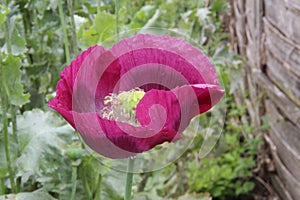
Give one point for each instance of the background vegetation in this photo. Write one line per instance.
(40, 155)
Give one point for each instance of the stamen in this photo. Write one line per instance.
(122, 106)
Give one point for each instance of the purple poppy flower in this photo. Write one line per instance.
(178, 80)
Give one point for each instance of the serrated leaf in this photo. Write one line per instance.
(18, 43)
(102, 30)
(142, 16)
(11, 75)
(43, 137)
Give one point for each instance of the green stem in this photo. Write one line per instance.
(73, 27)
(87, 187)
(74, 180)
(98, 194)
(6, 139)
(6, 30)
(2, 186)
(7, 37)
(129, 178)
(13, 111)
(14, 127)
(4, 101)
(117, 8)
(98, 6)
(66, 41)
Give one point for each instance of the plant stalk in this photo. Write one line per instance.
(98, 6)
(6, 139)
(63, 23)
(13, 112)
(98, 193)
(73, 27)
(5, 106)
(74, 180)
(117, 8)
(129, 177)
(87, 188)
(2, 186)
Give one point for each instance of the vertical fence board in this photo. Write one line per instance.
(266, 33)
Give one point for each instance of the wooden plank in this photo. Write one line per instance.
(287, 179)
(283, 134)
(274, 11)
(253, 29)
(279, 187)
(251, 51)
(254, 90)
(286, 137)
(292, 26)
(232, 28)
(283, 18)
(293, 5)
(284, 79)
(241, 5)
(240, 24)
(287, 107)
(284, 49)
(250, 17)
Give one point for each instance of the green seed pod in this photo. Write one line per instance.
(75, 153)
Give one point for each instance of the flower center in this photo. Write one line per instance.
(122, 106)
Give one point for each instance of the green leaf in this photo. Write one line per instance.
(89, 171)
(142, 16)
(43, 141)
(113, 185)
(17, 42)
(101, 31)
(11, 75)
(36, 195)
(3, 12)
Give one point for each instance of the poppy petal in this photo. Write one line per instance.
(180, 104)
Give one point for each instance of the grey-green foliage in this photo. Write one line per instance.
(36, 195)
(38, 151)
(43, 139)
(11, 80)
(40, 157)
(3, 12)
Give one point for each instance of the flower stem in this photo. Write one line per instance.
(129, 178)
(13, 112)
(2, 186)
(4, 106)
(87, 188)
(74, 180)
(117, 8)
(6, 139)
(98, 6)
(73, 27)
(63, 23)
(98, 193)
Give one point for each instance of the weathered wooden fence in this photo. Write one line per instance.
(267, 34)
